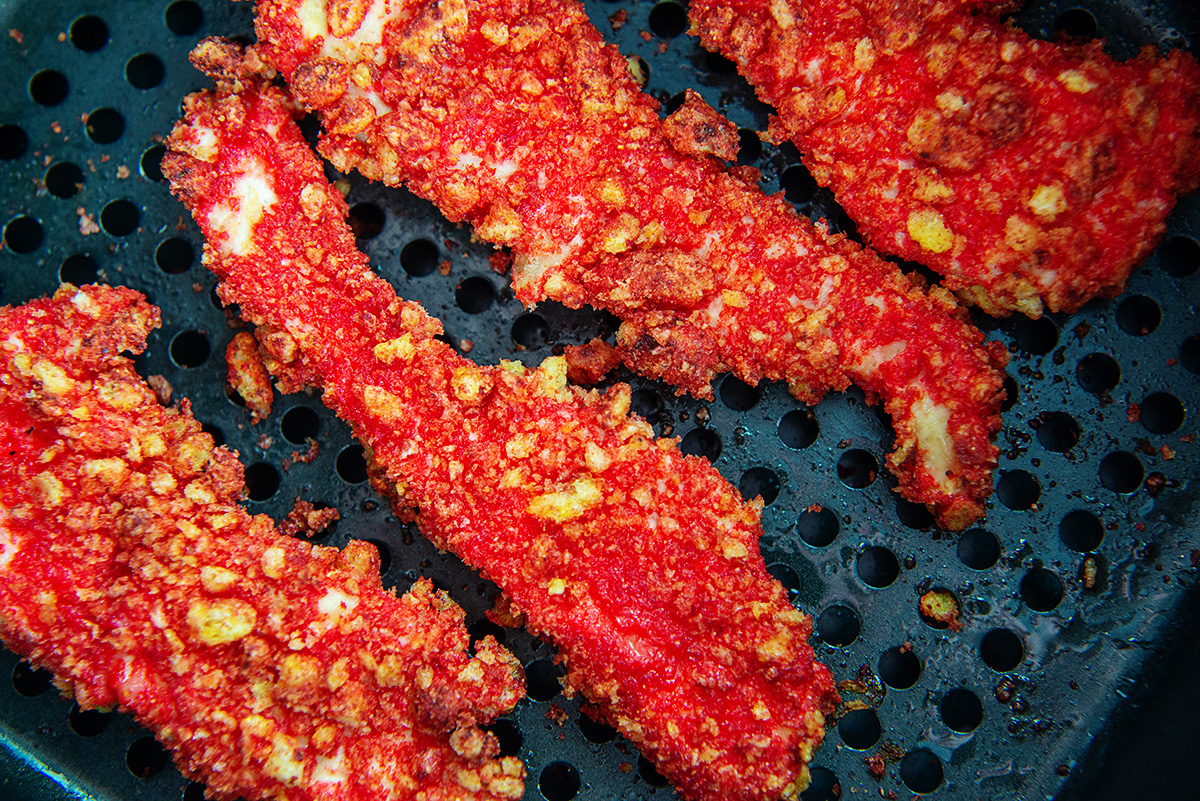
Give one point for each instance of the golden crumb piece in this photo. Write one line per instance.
(928, 228)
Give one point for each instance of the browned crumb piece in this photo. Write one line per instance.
(305, 520)
(162, 389)
(587, 364)
(696, 129)
(248, 375)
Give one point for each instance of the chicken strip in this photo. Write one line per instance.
(640, 564)
(273, 668)
(1033, 176)
(516, 117)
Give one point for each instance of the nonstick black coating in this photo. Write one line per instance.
(90, 89)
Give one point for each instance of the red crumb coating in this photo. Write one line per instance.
(248, 375)
(1031, 175)
(271, 667)
(641, 565)
(515, 116)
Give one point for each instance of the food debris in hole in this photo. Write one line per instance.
(940, 609)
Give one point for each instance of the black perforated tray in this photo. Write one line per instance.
(92, 87)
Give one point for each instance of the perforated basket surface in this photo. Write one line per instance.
(1081, 567)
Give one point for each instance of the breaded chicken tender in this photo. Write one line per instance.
(272, 668)
(1033, 176)
(515, 116)
(640, 564)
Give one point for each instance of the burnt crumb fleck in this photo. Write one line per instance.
(887, 753)
(1005, 690)
(1155, 484)
(499, 261)
(1018, 442)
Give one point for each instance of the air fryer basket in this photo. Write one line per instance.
(1082, 565)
